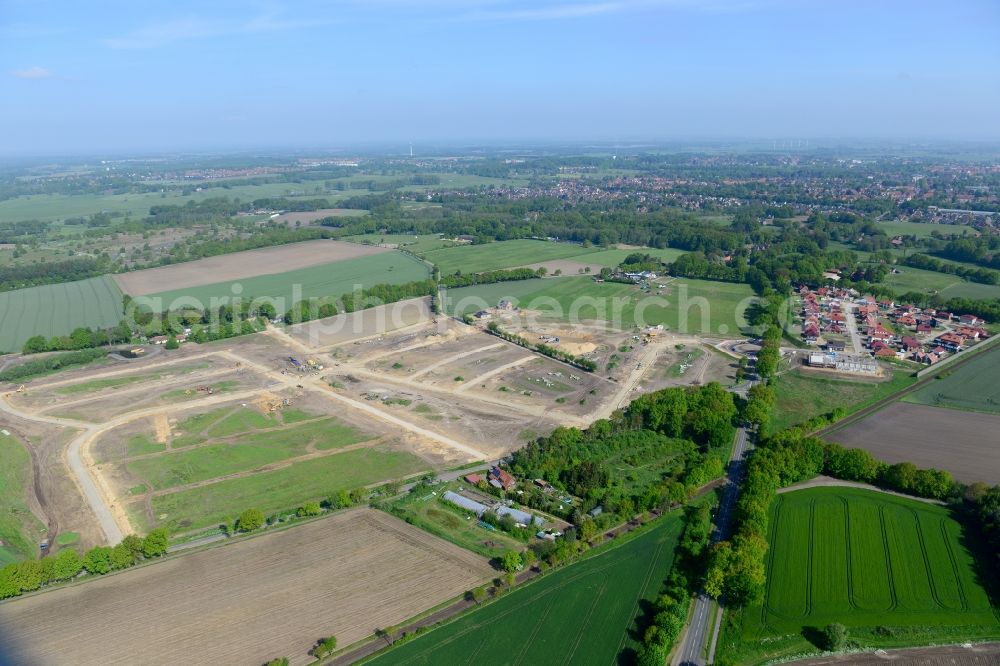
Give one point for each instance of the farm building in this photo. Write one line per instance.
(498, 478)
(479, 509)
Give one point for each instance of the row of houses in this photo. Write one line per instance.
(935, 334)
(823, 311)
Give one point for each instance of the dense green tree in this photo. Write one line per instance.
(250, 520)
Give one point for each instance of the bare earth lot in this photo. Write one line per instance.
(240, 265)
(305, 218)
(964, 443)
(345, 575)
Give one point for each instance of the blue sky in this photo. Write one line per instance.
(144, 76)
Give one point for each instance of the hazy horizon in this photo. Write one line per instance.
(182, 77)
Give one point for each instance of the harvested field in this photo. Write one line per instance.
(964, 443)
(241, 265)
(305, 218)
(344, 575)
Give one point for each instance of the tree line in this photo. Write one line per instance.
(581, 362)
(30, 575)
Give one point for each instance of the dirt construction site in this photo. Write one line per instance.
(189, 438)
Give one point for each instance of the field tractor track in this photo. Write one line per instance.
(888, 560)
(927, 561)
(850, 564)
(809, 560)
(586, 622)
(954, 565)
(538, 627)
(766, 606)
(635, 607)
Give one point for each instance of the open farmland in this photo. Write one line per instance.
(276, 260)
(344, 575)
(57, 309)
(963, 443)
(612, 258)
(333, 279)
(945, 284)
(413, 243)
(582, 614)
(684, 306)
(306, 218)
(801, 395)
(501, 254)
(973, 386)
(867, 560)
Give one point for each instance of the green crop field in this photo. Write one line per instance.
(501, 254)
(276, 490)
(688, 306)
(973, 386)
(801, 396)
(20, 530)
(893, 571)
(415, 244)
(334, 279)
(581, 614)
(922, 229)
(57, 207)
(612, 258)
(949, 286)
(57, 309)
(240, 454)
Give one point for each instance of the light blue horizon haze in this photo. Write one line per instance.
(113, 77)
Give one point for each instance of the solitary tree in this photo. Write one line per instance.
(250, 520)
(835, 637)
(511, 561)
(325, 647)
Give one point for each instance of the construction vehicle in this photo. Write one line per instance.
(20, 389)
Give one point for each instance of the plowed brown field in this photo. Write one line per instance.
(241, 265)
(248, 602)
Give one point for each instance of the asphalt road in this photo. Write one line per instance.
(700, 627)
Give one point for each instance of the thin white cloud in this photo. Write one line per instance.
(184, 29)
(34, 73)
(553, 11)
(548, 13)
